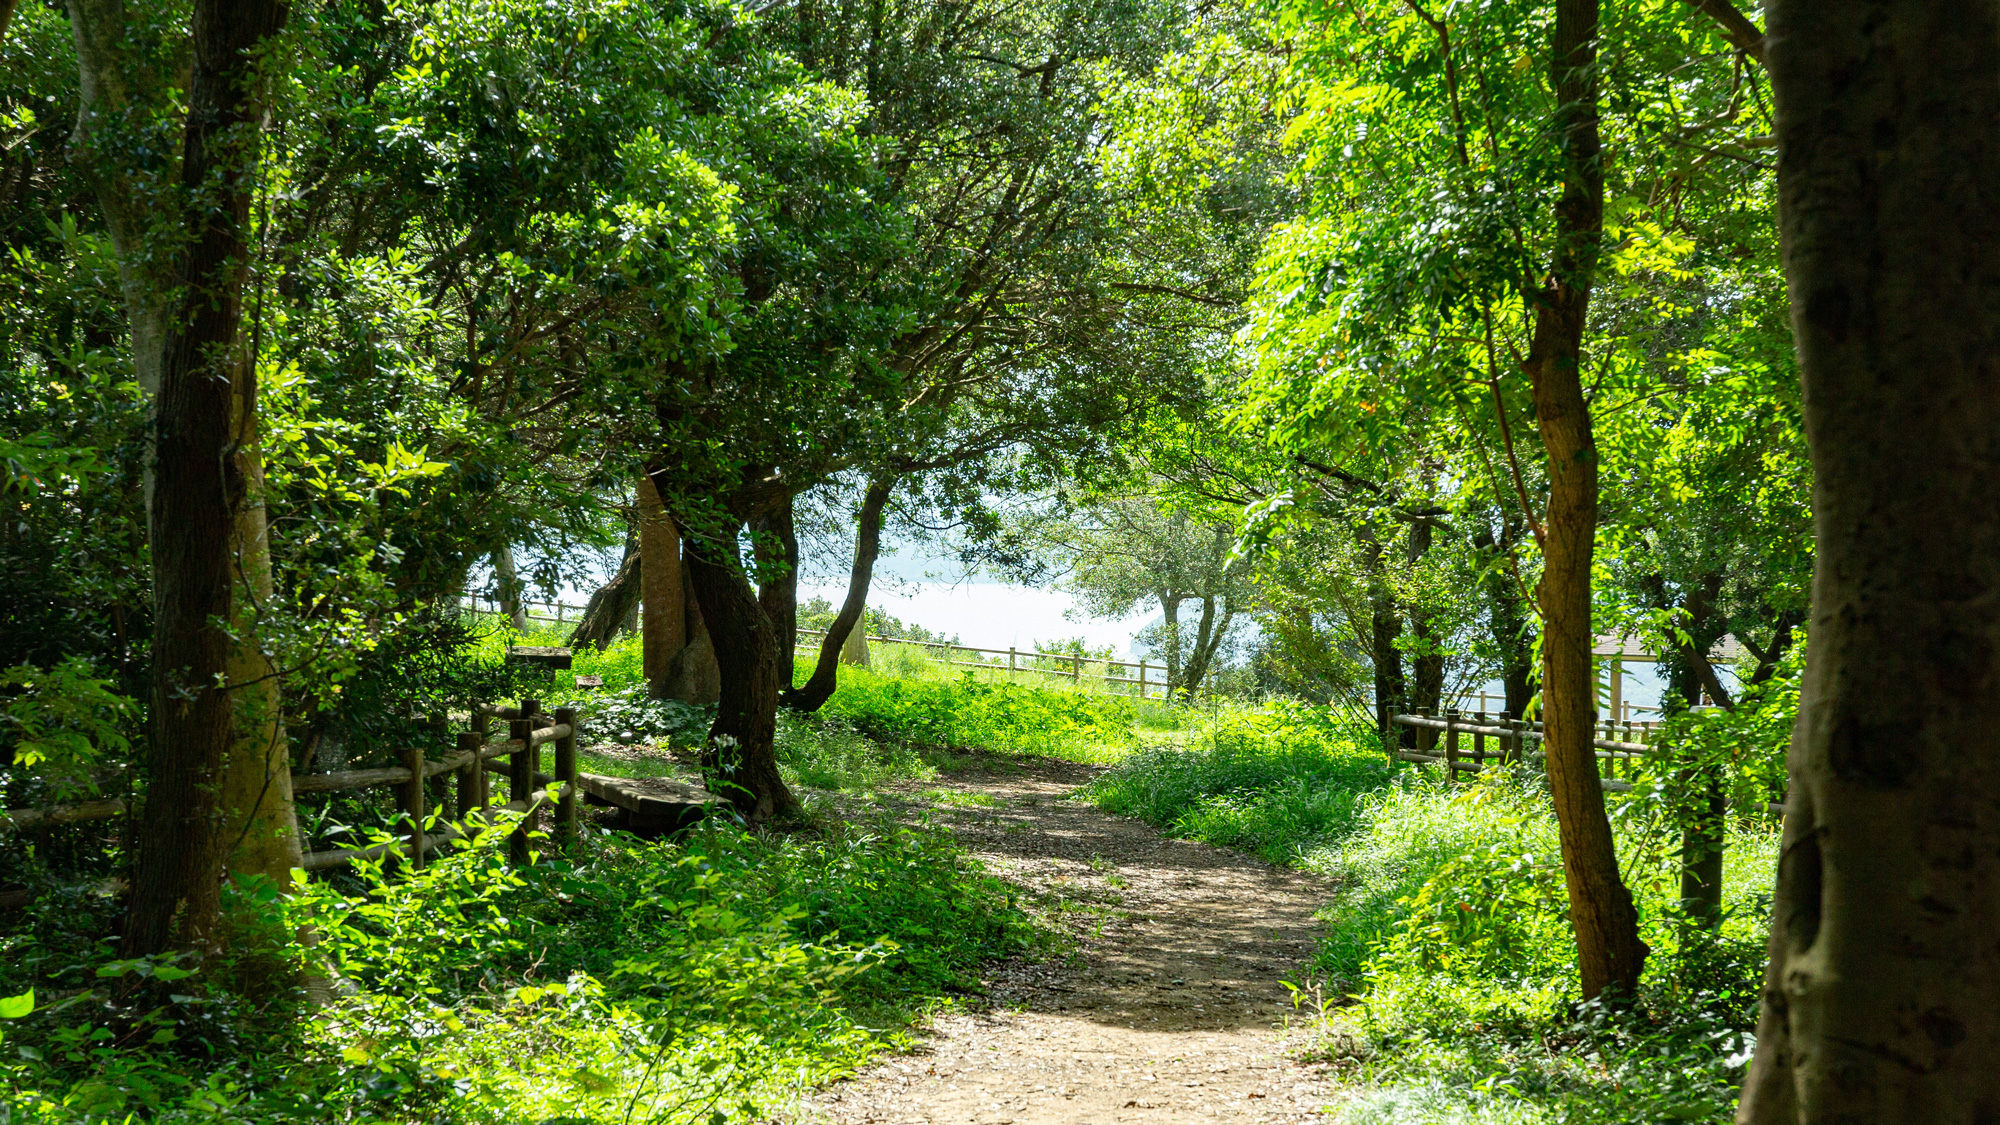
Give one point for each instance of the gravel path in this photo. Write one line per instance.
(1172, 1011)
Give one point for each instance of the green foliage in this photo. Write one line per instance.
(643, 982)
(1448, 929)
(1277, 784)
(63, 724)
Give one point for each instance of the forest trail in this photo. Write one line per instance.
(1171, 1010)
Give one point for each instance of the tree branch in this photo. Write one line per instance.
(1736, 27)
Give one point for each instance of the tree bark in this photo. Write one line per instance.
(867, 548)
(260, 824)
(116, 121)
(612, 605)
(1610, 955)
(1882, 999)
(664, 628)
(740, 760)
(207, 401)
(1385, 628)
(777, 553)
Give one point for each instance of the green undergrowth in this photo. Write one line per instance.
(1446, 984)
(966, 714)
(706, 980)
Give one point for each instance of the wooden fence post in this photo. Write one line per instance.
(1076, 669)
(413, 801)
(1479, 737)
(1010, 664)
(520, 783)
(470, 776)
(566, 772)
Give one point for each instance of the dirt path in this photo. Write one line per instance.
(1172, 1011)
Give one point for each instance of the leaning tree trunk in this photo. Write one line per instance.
(814, 693)
(612, 605)
(1609, 952)
(741, 758)
(205, 391)
(1882, 999)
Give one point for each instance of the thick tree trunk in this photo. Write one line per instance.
(664, 629)
(507, 587)
(847, 623)
(777, 552)
(1609, 952)
(1882, 1000)
(740, 761)
(612, 605)
(206, 392)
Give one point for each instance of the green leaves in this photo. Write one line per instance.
(15, 1007)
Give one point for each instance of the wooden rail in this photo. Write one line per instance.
(1026, 660)
(529, 731)
(1512, 737)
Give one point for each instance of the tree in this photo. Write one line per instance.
(1118, 553)
(1879, 1001)
(206, 511)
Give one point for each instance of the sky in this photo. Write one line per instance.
(921, 588)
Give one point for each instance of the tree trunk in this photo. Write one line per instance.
(847, 623)
(1196, 665)
(1170, 641)
(1609, 952)
(1882, 999)
(1704, 810)
(206, 392)
(740, 760)
(777, 551)
(507, 587)
(613, 603)
(260, 825)
(664, 628)
(117, 121)
(1427, 666)
(1513, 634)
(1385, 628)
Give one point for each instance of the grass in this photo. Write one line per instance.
(1447, 971)
(708, 979)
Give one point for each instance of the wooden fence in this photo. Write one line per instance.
(1621, 746)
(471, 806)
(1149, 683)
